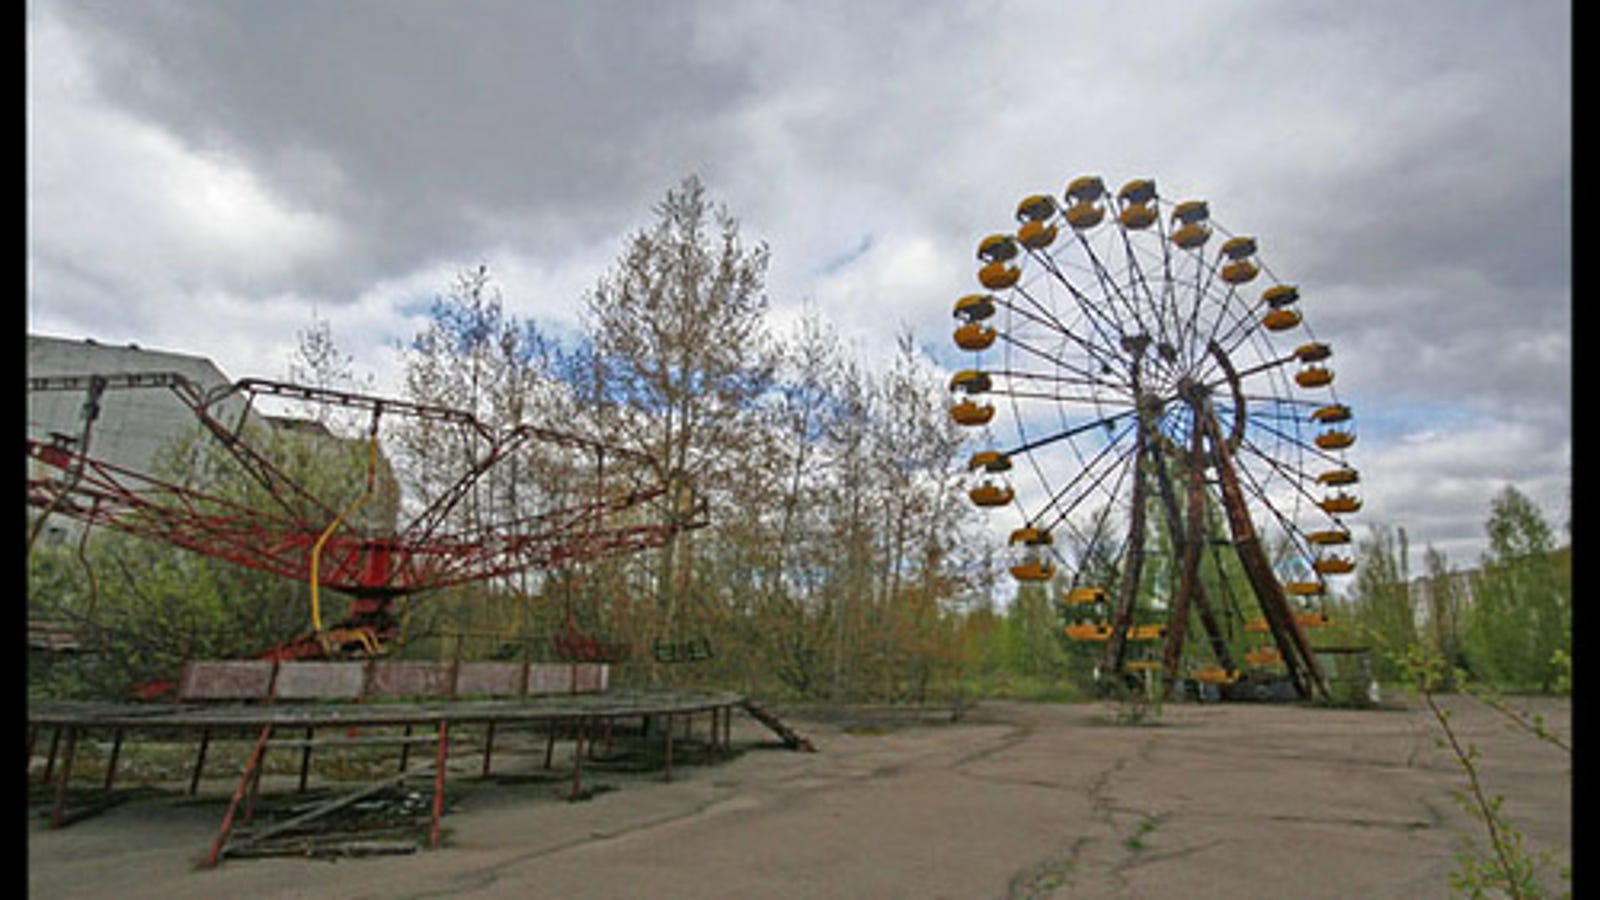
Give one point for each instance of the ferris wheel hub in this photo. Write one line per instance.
(1193, 391)
(1151, 404)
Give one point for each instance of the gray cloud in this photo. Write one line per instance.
(428, 128)
(1408, 165)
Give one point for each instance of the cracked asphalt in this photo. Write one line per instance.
(1015, 800)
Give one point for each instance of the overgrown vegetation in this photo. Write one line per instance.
(1497, 863)
(1507, 623)
(841, 563)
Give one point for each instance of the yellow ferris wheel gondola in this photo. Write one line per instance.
(997, 251)
(967, 411)
(1239, 268)
(1031, 558)
(1138, 204)
(1035, 231)
(1193, 232)
(1084, 208)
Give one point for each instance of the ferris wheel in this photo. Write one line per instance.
(1158, 414)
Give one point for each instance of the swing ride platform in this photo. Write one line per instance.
(297, 705)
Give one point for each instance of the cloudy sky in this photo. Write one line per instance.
(205, 176)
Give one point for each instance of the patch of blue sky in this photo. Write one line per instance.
(842, 261)
(1387, 422)
(416, 307)
(943, 351)
(560, 332)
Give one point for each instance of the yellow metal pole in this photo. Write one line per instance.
(316, 550)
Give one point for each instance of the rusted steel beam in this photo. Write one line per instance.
(252, 764)
(1292, 643)
(405, 748)
(1133, 565)
(1193, 538)
(111, 764)
(441, 758)
(255, 785)
(577, 760)
(667, 773)
(50, 761)
(305, 758)
(64, 778)
(488, 749)
(1169, 502)
(199, 760)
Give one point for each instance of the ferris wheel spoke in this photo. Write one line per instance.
(1240, 320)
(1042, 316)
(1172, 305)
(1281, 408)
(1091, 311)
(1092, 475)
(1189, 335)
(1238, 249)
(1100, 549)
(1054, 397)
(1074, 377)
(1224, 376)
(1320, 454)
(1296, 479)
(1137, 276)
(1110, 290)
(1103, 423)
(1085, 468)
(1099, 533)
(1083, 375)
(1289, 527)
(1242, 328)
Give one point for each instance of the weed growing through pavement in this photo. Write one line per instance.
(1135, 841)
(1136, 700)
(1503, 867)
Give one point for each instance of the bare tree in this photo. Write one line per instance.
(680, 354)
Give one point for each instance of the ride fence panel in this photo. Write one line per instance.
(320, 681)
(411, 679)
(222, 680)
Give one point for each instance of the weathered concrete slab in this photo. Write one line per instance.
(1016, 800)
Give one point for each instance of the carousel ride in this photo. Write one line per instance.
(300, 481)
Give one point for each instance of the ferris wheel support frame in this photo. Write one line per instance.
(1188, 534)
(1128, 593)
(1291, 640)
(1188, 547)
